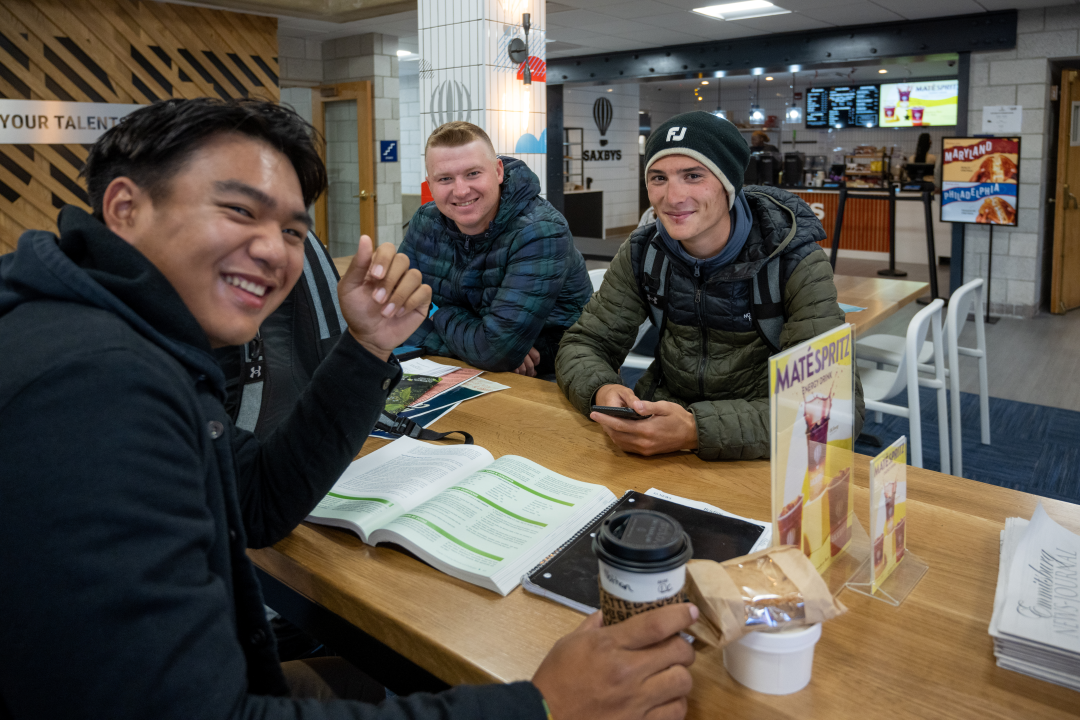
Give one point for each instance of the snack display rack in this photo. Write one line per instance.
(867, 167)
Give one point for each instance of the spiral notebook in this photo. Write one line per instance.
(569, 575)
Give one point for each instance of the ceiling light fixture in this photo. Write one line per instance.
(793, 116)
(704, 82)
(769, 77)
(403, 53)
(882, 71)
(719, 111)
(741, 10)
(757, 115)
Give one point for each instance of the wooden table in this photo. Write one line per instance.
(881, 297)
(931, 657)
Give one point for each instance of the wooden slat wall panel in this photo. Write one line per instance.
(55, 36)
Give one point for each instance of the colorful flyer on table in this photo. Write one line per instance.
(811, 392)
(888, 511)
(979, 180)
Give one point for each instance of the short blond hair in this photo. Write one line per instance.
(456, 134)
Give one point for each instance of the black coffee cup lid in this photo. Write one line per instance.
(642, 541)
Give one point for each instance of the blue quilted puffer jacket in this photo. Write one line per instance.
(517, 286)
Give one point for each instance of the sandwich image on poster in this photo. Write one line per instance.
(979, 180)
(888, 511)
(812, 418)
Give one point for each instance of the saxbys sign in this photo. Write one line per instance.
(54, 122)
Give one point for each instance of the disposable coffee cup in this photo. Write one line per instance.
(775, 663)
(642, 556)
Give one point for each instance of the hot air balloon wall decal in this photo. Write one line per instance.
(602, 114)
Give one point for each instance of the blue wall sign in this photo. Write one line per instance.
(388, 150)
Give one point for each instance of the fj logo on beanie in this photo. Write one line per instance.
(715, 143)
(676, 134)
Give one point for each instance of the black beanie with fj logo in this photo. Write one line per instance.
(713, 141)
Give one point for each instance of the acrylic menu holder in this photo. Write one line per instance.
(890, 571)
(812, 402)
(895, 589)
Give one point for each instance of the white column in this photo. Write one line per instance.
(466, 74)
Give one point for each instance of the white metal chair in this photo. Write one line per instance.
(633, 360)
(880, 385)
(887, 349)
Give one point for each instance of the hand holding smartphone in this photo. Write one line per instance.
(619, 412)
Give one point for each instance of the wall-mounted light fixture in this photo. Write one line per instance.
(519, 49)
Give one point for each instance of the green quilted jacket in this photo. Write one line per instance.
(714, 363)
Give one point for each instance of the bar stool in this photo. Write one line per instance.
(880, 385)
(887, 349)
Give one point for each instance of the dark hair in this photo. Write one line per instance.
(150, 145)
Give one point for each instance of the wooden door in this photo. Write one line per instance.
(1065, 281)
(364, 200)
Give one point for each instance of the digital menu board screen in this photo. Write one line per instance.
(817, 107)
(841, 107)
(917, 104)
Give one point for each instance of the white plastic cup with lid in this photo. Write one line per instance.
(776, 663)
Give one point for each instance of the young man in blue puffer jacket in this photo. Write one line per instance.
(500, 259)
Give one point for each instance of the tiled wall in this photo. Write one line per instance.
(299, 99)
(373, 57)
(466, 74)
(1021, 77)
(412, 172)
(619, 179)
(343, 173)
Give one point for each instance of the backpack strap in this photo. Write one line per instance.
(767, 308)
(654, 281)
(252, 381)
(321, 278)
(394, 425)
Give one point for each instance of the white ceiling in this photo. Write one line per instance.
(581, 27)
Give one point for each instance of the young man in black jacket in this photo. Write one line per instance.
(127, 496)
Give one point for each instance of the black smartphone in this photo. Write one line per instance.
(619, 412)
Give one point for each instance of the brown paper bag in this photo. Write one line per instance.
(770, 590)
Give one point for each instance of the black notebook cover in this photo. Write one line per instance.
(571, 572)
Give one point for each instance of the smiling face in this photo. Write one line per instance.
(228, 234)
(691, 203)
(464, 181)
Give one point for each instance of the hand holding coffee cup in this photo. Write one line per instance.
(642, 556)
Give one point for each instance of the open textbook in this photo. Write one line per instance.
(482, 520)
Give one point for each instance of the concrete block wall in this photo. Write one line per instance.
(373, 57)
(1021, 77)
(299, 61)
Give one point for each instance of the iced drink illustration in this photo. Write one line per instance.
(879, 556)
(890, 113)
(916, 115)
(839, 530)
(899, 537)
(890, 505)
(816, 411)
(905, 93)
(790, 523)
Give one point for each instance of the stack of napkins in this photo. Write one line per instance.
(1036, 620)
